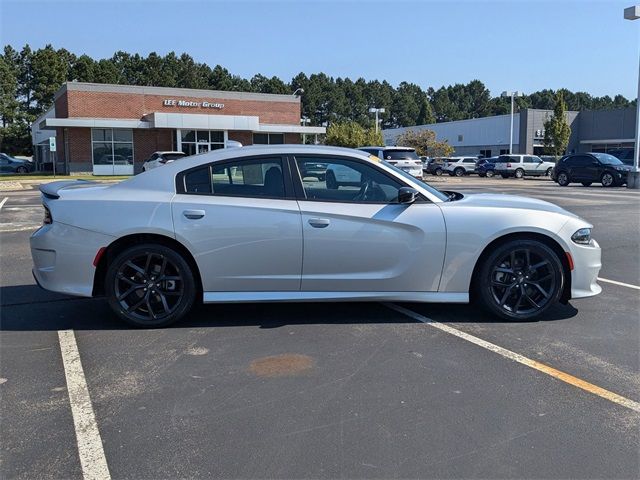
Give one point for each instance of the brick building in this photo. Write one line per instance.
(113, 129)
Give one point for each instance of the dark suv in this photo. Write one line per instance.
(588, 168)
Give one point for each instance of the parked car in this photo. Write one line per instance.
(405, 158)
(460, 166)
(435, 166)
(9, 164)
(588, 168)
(195, 231)
(624, 154)
(519, 166)
(486, 167)
(157, 159)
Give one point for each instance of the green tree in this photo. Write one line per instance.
(556, 129)
(351, 134)
(425, 143)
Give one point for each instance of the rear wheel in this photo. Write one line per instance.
(459, 172)
(520, 280)
(549, 171)
(607, 180)
(21, 170)
(438, 172)
(150, 286)
(586, 184)
(519, 173)
(563, 179)
(490, 173)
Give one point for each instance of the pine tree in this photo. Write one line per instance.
(556, 129)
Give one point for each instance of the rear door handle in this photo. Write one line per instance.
(319, 222)
(193, 214)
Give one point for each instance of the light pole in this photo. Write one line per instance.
(304, 121)
(295, 93)
(512, 95)
(633, 177)
(376, 111)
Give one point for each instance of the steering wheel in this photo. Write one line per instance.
(370, 191)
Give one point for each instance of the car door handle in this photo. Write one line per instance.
(193, 214)
(319, 222)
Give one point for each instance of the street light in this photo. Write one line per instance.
(376, 111)
(511, 94)
(301, 90)
(633, 177)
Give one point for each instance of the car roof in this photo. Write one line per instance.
(378, 147)
(162, 152)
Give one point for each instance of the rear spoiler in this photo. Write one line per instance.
(50, 190)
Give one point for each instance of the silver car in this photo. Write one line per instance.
(520, 166)
(243, 225)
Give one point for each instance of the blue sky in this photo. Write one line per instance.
(509, 45)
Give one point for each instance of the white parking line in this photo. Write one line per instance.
(92, 459)
(516, 357)
(4, 200)
(622, 284)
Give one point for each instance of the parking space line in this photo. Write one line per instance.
(4, 200)
(622, 284)
(516, 357)
(92, 459)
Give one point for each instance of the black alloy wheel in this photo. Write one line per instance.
(607, 180)
(562, 179)
(520, 280)
(150, 286)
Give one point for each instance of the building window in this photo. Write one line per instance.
(201, 141)
(112, 146)
(485, 153)
(504, 151)
(268, 138)
(460, 138)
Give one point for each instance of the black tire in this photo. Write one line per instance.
(549, 171)
(459, 172)
(563, 179)
(438, 172)
(22, 170)
(608, 180)
(586, 184)
(519, 280)
(332, 183)
(150, 286)
(519, 173)
(490, 174)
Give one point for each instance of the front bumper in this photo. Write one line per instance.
(63, 258)
(587, 263)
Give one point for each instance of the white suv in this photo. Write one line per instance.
(460, 166)
(522, 165)
(405, 158)
(161, 158)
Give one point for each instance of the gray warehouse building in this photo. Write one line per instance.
(591, 131)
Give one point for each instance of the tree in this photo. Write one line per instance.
(352, 135)
(556, 129)
(425, 143)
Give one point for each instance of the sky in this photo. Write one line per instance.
(508, 45)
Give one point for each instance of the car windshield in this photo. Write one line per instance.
(607, 159)
(400, 155)
(173, 156)
(434, 191)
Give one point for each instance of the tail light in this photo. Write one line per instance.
(47, 220)
(508, 165)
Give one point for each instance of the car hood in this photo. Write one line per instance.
(508, 201)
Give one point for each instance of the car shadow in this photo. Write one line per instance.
(29, 308)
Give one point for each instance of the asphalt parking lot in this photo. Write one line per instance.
(341, 390)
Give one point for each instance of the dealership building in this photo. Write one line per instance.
(591, 131)
(112, 129)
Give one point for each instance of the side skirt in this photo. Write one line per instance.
(426, 297)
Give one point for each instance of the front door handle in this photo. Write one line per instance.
(193, 214)
(319, 222)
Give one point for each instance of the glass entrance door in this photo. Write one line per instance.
(203, 147)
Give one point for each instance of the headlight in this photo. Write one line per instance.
(582, 236)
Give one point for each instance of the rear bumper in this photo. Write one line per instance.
(63, 258)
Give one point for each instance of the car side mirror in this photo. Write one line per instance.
(407, 195)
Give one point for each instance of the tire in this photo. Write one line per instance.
(459, 172)
(22, 170)
(490, 174)
(607, 179)
(563, 179)
(332, 183)
(136, 299)
(586, 184)
(481, 174)
(519, 280)
(438, 172)
(519, 173)
(549, 171)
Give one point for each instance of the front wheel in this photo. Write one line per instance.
(21, 170)
(549, 171)
(520, 280)
(150, 286)
(459, 172)
(607, 180)
(490, 173)
(519, 173)
(438, 172)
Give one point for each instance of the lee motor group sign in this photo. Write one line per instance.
(170, 102)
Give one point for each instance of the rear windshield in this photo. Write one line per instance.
(607, 159)
(400, 155)
(173, 156)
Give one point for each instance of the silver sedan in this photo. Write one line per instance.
(260, 224)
